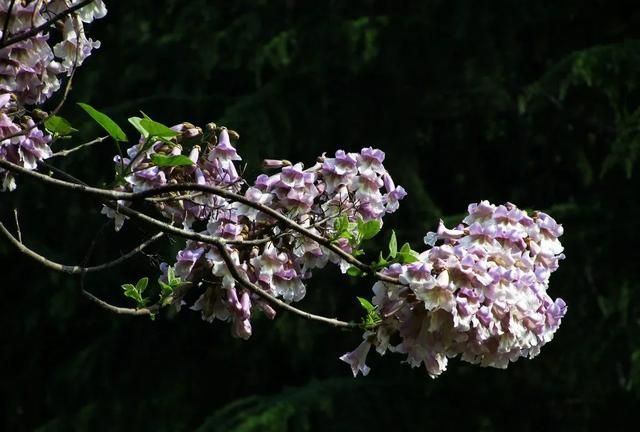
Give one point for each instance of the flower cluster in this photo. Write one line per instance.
(25, 149)
(30, 71)
(352, 187)
(480, 292)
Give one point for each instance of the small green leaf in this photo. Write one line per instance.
(357, 252)
(354, 271)
(127, 287)
(157, 129)
(169, 161)
(406, 255)
(105, 121)
(382, 262)
(58, 126)
(409, 257)
(366, 305)
(369, 229)
(136, 123)
(341, 224)
(171, 276)
(131, 292)
(142, 284)
(406, 248)
(346, 234)
(372, 318)
(393, 245)
(166, 289)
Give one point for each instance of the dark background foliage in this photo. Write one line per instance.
(531, 102)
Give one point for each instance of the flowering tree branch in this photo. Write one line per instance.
(478, 290)
(35, 30)
(161, 190)
(217, 242)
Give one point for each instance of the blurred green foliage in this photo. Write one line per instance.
(535, 103)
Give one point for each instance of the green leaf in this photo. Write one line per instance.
(382, 262)
(58, 126)
(366, 305)
(169, 161)
(157, 129)
(406, 255)
(105, 121)
(171, 276)
(369, 229)
(346, 234)
(136, 123)
(408, 258)
(341, 224)
(354, 271)
(393, 245)
(131, 292)
(406, 248)
(142, 284)
(166, 289)
(372, 318)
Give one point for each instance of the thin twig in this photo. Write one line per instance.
(60, 172)
(75, 269)
(63, 153)
(34, 31)
(103, 304)
(6, 23)
(187, 197)
(151, 310)
(15, 215)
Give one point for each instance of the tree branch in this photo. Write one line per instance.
(151, 310)
(6, 23)
(75, 269)
(136, 196)
(217, 242)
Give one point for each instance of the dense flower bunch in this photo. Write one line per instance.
(31, 69)
(350, 187)
(480, 294)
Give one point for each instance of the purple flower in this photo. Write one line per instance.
(356, 359)
(370, 160)
(224, 151)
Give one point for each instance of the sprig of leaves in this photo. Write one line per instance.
(168, 288)
(405, 255)
(371, 319)
(136, 291)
